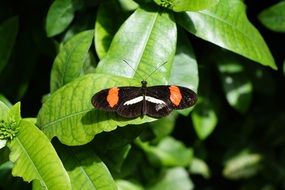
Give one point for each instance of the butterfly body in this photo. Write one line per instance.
(154, 101)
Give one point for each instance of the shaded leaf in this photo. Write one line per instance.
(109, 18)
(60, 15)
(274, 17)
(145, 40)
(73, 119)
(164, 126)
(236, 85)
(186, 5)
(85, 169)
(8, 33)
(174, 178)
(69, 63)
(226, 25)
(242, 165)
(169, 152)
(114, 158)
(35, 158)
(5, 101)
(204, 118)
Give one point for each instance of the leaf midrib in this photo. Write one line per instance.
(30, 159)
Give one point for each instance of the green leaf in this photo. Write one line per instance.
(198, 166)
(226, 25)
(35, 158)
(8, 33)
(236, 85)
(169, 152)
(204, 118)
(146, 40)
(108, 20)
(128, 185)
(3, 110)
(4, 100)
(69, 114)
(69, 63)
(274, 17)
(60, 15)
(85, 169)
(174, 178)
(115, 158)
(186, 5)
(184, 69)
(242, 165)
(163, 127)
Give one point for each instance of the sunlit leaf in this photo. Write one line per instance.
(274, 17)
(226, 25)
(85, 169)
(146, 40)
(69, 63)
(35, 158)
(77, 124)
(186, 5)
(59, 16)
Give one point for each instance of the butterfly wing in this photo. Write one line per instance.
(161, 100)
(119, 99)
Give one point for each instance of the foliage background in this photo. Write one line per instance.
(233, 139)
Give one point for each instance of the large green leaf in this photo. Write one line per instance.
(174, 178)
(60, 15)
(69, 63)
(146, 40)
(226, 25)
(274, 17)
(186, 5)
(8, 33)
(69, 114)
(35, 158)
(85, 169)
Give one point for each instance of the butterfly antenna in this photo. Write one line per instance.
(155, 70)
(132, 68)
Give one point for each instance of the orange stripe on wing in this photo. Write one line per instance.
(175, 95)
(113, 96)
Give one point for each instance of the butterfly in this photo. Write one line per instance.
(154, 101)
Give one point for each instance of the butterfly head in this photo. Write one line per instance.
(144, 83)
